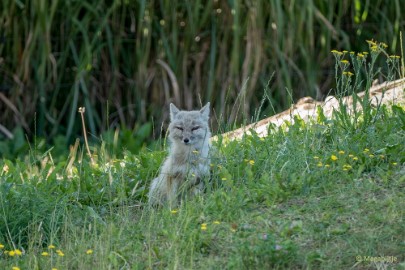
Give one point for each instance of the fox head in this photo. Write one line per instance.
(189, 127)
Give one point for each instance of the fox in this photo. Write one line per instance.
(188, 162)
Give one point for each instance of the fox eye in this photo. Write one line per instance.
(195, 128)
(180, 128)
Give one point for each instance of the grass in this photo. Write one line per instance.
(311, 196)
(327, 194)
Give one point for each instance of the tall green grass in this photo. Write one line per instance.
(126, 60)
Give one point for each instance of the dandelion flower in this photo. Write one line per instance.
(350, 155)
(371, 155)
(204, 226)
(216, 222)
(252, 162)
(344, 62)
(316, 157)
(319, 164)
(15, 268)
(60, 253)
(355, 158)
(18, 252)
(327, 165)
(366, 150)
(333, 157)
(341, 152)
(223, 178)
(11, 253)
(1, 246)
(51, 246)
(174, 211)
(394, 163)
(89, 251)
(45, 253)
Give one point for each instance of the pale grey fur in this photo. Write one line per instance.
(187, 164)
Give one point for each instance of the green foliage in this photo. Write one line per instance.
(307, 196)
(126, 60)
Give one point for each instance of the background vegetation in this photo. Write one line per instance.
(126, 60)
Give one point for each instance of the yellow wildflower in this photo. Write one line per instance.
(216, 222)
(316, 157)
(15, 268)
(252, 162)
(18, 252)
(371, 42)
(51, 246)
(223, 178)
(355, 158)
(384, 45)
(11, 253)
(1, 246)
(336, 52)
(60, 253)
(204, 226)
(327, 165)
(333, 157)
(45, 253)
(89, 251)
(319, 164)
(344, 62)
(371, 155)
(174, 211)
(341, 152)
(366, 150)
(345, 51)
(196, 151)
(394, 163)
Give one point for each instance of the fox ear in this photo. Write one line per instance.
(173, 111)
(205, 111)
